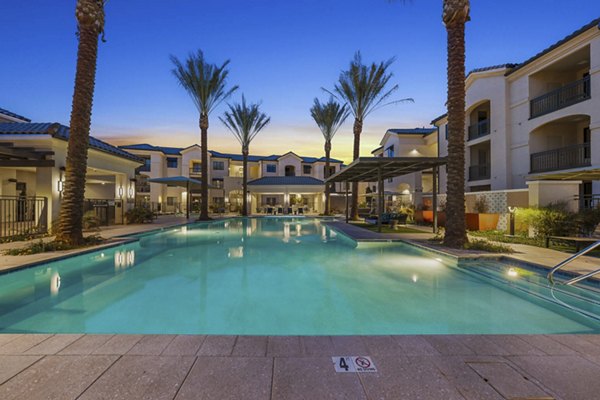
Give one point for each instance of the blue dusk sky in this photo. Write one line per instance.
(282, 52)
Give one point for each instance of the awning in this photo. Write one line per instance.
(367, 169)
(575, 174)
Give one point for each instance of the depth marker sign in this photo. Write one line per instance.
(353, 364)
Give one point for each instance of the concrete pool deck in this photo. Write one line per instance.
(464, 367)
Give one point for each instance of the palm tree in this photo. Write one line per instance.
(245, 121)
(365, 89)
(455, 15)
(207, 86)
(90, 24)
(329, 117)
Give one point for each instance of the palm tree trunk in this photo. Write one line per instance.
(354, 204)
(455, 204)
(204, 171)
(245, 182)
(327, 185)
(71, 212)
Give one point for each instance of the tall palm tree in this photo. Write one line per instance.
(90, 24)
(206, 84)
(365, 89)
(455, 15)
(245, 121)
(329, 117)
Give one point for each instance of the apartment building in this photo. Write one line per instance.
(532, 131)
(32, 165)
(276, 181)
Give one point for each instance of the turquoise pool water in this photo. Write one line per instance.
(278, 276)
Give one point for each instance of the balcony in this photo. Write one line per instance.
(574, 156)
(196, 172)
(479, 172)
(143, 188)
(480, 129)
(572, 93)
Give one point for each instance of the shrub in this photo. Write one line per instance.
(91, 220)
(139, 215)
(484, 245)
(481, 205)
(587, 220)
(552, 220)
(41, 247)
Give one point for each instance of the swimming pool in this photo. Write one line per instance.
(281, 276)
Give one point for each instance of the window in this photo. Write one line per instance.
(196, 168)
(218, 201)
(271, 201)
(307, 169)
(171, 201)
(171, 162)
(147, 164)
(290, 170)
(218, 182)
(218, 165)
(272, 168)
(446, 131)
(389, 152)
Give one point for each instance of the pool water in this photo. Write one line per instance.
(278, 276)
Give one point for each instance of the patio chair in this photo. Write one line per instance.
(269, 210)
(300, 210)
(289, 211)
(279, 210)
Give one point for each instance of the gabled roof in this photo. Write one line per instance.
(12, 114)
(594, 23)
(377, 149)
(59, 131)
(286, 181)
(413, 131)
(491, 68)
(235, 157)
(441, 117)
(173, 151)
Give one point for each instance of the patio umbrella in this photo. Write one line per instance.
(181, 181)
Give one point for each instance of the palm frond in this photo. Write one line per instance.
(205, 83)
(245, 121)
(329, 116)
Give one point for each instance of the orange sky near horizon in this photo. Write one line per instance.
(276, 139)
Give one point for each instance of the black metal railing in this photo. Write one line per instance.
(573, 156)
(23, 216)
(479, 172)
(143, 188)
(565, 96)
(588, 201)
(480, 129)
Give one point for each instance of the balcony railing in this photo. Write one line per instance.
(143, 188)
(565, 96)
(480, 129)
(196, 171)
(479, 172)
(564, 158)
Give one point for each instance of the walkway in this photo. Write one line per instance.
(461, 367)
(110, 232)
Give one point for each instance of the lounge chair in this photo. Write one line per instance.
(300, 210)
(289, 211)
(279, 210)
(269, 210)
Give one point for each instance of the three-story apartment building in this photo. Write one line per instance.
(276, 181)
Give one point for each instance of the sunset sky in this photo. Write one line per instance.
(282, 53)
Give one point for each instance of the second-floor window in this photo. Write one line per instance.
(272, 168)
(217, 182)
(196, 168)
(218, 165)
(389, 152)
(307, 169)
(171, 162)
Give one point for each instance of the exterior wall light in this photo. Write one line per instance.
(60, 185)
(121, 191)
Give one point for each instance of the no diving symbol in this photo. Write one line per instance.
(362, 362)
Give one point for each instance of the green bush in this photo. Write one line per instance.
(139, 215)
(91, 220)
(587, 220)
(552, 220)
(41, 247)
(484, 245)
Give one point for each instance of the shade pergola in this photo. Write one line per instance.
(376, 169)
(181, 181)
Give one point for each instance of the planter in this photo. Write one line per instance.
(418, 217)
(428, 217)
(482, 221)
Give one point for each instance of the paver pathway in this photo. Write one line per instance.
(179, 367)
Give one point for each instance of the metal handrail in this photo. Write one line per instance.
(573, 258)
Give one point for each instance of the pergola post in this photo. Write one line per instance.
(435, 199)
(187, 200)
(347, 213)
(379, 198)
